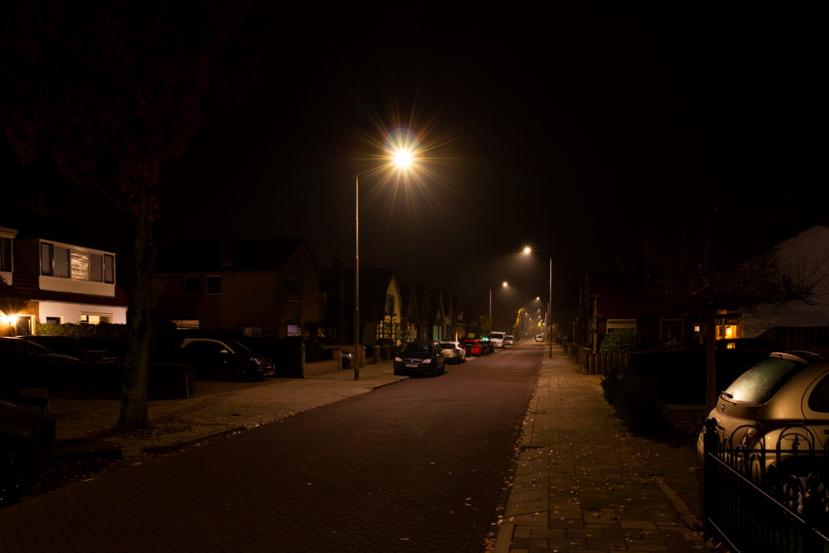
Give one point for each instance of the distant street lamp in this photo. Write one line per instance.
(402, 157)
(528, 251)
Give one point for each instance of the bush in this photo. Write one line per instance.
(610, 387)
(103, 330)
(637, 402)
(620, 341)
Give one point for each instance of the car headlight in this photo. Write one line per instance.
(398, 360)
(426, 361)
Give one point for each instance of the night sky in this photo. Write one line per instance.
(593, 134)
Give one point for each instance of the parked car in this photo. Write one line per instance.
(21, 351)
(224, 358)
(539, 338)
(509, 340)
(779, 405)
(27, 439)
(496, 338)
(419, 358)
(88, 350)
(453, 352)
(486, 346)
(472, 346)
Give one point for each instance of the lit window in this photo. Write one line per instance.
(80, 265)
(96, 318)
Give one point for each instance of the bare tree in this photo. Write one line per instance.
(110, 92)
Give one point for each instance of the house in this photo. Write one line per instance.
(610, 302)
(260, 287)
(803, 259)
(52, 281)
(381, 307)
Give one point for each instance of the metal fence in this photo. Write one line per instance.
(769, 500)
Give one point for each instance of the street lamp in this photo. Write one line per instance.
(504, 284)
(528, 251)
(402, 157)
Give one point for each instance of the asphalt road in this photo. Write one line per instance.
(414, 467)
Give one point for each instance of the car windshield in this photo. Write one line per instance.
(496, 335)
(447, 345)
(417, 348)
(759, 383)
(239, 347)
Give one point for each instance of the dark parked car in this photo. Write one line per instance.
(225, 358)
(419, 358)
(86, 349)
(27, 438)
(19, 351)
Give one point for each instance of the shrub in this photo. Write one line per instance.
(619, 341)
(636, 400)
(103, 330)
(610, 387)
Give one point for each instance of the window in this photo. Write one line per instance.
(96, 267)
(819, 400)
(52, 320)
(6, 254)
(96, 318)
(759, 383)
(192, 285)
(292, 289)
(79, 265)
(60, 261)
(213, 285)
(109, 269)
(46, 258)
(389, 305)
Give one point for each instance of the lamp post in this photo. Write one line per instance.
(528, 251)
(504, 284)
(402, 157)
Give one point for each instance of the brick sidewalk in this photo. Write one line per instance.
(583, 484)
(217, 407)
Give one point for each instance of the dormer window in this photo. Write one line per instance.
(76, 264)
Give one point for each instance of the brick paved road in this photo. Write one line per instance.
(417, 466)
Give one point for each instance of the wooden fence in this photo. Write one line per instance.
(598, 363)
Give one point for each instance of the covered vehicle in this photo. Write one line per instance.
(224, 358)
(419, 358)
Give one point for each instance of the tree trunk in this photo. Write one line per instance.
(136, 364)
(710, 359)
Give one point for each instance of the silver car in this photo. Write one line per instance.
(453, 352)
(774, 418)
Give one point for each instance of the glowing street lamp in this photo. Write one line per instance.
(402, 157)
(528, 251)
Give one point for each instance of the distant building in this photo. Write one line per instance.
(47, 280)
(258, 287)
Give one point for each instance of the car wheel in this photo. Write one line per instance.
(13, 464)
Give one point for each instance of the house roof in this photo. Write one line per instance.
(267, 254)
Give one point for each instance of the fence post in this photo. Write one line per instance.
(710, 444)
